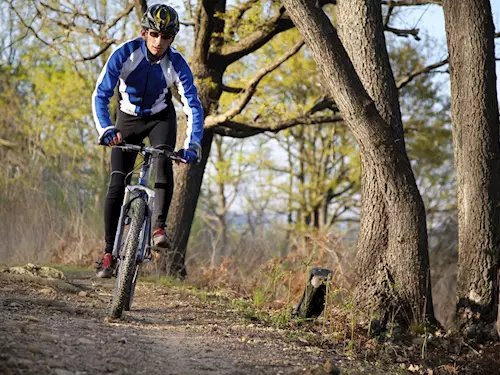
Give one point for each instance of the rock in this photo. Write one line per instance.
(418, 341)
(83, 294)
(84, 341)
(30, 318)
(45, 336)
(34, 348)
(46, 291)
(330, 368)
(31, 269)
(51, 273)
(61, 371)
(21, 362)
(20, 271)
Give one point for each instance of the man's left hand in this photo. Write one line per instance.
(189, 155)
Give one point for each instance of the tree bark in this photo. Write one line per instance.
(358, 21)
(188, 179)
(405, 270)
(474, 106)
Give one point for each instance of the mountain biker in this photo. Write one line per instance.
(145, 69)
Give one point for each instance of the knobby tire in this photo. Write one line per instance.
(121, 296)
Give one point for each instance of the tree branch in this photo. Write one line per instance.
(211, 121)
(73, 14)
(140, 8)
(405, 33)
(97, 54)
(241, 130)
(257, 39)
(239, 13)
(426, 69)
(125, 12)
(234, 90)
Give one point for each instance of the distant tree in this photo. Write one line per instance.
(470, 36)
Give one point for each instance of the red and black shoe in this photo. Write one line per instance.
(160, 238)
(106, 266)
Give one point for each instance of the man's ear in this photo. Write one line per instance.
(143, 33)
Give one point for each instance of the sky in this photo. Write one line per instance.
(430, 20)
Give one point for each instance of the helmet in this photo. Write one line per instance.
(162, 18)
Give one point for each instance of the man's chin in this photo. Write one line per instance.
(157, 52)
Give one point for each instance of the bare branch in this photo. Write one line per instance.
(189, 8)
(125, 12)
(240, 130)
(389, 13)
(212, 121)
(140, 8)
(97, 54)
(325, 102)
(426, 69)
(73, 14)
(234, 90)
(405, 33)
(187, 24)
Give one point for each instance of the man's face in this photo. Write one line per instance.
(156, 42)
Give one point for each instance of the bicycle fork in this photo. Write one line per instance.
(144, 248)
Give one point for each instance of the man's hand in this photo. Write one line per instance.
(188, 154)
(112, 137)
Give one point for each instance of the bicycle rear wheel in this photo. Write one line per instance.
(128, 268)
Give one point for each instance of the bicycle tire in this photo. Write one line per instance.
(130, 299)
(124, 280)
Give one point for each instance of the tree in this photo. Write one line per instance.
(221, 38)
(470, 38)
(401, 281)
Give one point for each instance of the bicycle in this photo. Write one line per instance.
(133, 248)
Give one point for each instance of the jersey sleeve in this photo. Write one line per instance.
(104, 90)
(190, 102)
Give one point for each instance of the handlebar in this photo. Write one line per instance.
(151, 150)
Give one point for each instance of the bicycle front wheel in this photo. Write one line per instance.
(127, 270)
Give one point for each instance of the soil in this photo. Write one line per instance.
(54, 326)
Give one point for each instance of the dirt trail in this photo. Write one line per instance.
(57, 327)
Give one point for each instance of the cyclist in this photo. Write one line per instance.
(145, 69)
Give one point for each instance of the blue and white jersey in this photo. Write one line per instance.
(143, 87)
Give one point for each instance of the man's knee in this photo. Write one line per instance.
(117, 181)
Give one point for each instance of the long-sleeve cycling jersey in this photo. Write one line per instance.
(144, 86)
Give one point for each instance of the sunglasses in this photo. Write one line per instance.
(155, 34)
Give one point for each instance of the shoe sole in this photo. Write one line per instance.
(104, 275)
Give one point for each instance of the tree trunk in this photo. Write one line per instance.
(358, 21)
(405, 271)
(188, 178)
(474, 106)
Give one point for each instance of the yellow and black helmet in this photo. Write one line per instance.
(162, 18)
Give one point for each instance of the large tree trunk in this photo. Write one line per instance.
(358, 21)
(470, 34)
(188, 179)
(406, 273)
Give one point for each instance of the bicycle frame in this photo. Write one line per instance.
(140, 191)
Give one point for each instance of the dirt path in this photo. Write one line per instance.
(55, 327)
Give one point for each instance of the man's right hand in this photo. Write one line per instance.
(112, 137)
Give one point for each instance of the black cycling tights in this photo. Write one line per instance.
(161, 129)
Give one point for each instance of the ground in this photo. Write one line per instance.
(54, 326)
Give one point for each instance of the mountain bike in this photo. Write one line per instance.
(132, 245)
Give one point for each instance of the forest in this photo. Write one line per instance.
(337, 134)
